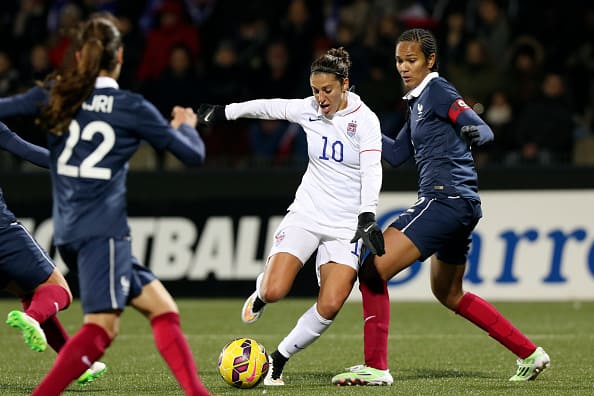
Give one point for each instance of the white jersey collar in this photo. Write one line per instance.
(106, 82)
(417, 91)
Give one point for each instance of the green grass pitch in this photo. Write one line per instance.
(431, 352)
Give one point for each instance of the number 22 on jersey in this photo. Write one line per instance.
(87, 168)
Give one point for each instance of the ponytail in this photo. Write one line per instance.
(99, 42)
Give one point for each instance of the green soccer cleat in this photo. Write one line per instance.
(96, 370)
(30, 328)
(529, 368)
(363, 375)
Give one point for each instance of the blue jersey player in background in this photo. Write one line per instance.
(439, 133)
(94, 130)
(27, 271)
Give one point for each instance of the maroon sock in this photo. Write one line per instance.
(54, 332)
(486, 316)
(174, 348)
(47, 301)
(74, 358)
(376, 314)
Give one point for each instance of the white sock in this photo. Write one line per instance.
(308, 329)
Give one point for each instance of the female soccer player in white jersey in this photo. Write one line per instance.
(439, 133)
(334, 205)
(27, 271)
(95, 129)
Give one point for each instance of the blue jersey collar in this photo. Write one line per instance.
(417, 91)
(106, 82)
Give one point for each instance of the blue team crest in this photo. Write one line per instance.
(351, 128)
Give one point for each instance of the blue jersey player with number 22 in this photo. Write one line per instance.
(94, 130)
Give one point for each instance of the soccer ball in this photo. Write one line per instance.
(243, 363)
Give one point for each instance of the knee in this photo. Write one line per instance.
(448, 298)
(329, 308)
(272, 293)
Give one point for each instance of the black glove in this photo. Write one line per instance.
(210, 114)
(370, 233)
(471, 134)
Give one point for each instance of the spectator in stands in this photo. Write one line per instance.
(524, 75)
(453, 41)
(499, 115)
(37, 67)
(298, 28)
(172, 85)
(544, 127)
(276, 78)
(227, 145)
(68, 16)
(476, 77)
(29, 25)
(277, 143)
(172, 29)
(493, 29)
(9, 75)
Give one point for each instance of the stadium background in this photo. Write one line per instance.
(526, 67)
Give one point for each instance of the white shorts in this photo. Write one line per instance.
(301, 240)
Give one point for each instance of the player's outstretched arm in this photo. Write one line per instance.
(13, 143)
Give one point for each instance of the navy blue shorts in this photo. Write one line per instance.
(109, 275)
(441, 225)
(22, 260)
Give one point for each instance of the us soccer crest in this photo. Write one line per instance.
(351, 128)
(278, 238)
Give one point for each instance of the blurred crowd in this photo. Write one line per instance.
(526, 67)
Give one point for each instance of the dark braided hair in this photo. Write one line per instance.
(98, 43)
(426, 39)
(335, 61)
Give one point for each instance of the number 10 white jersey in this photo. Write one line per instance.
(344, 174)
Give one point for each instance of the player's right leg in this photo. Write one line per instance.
(292, 247)
(272, 285)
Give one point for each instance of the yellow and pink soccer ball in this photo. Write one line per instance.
(243, 363)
